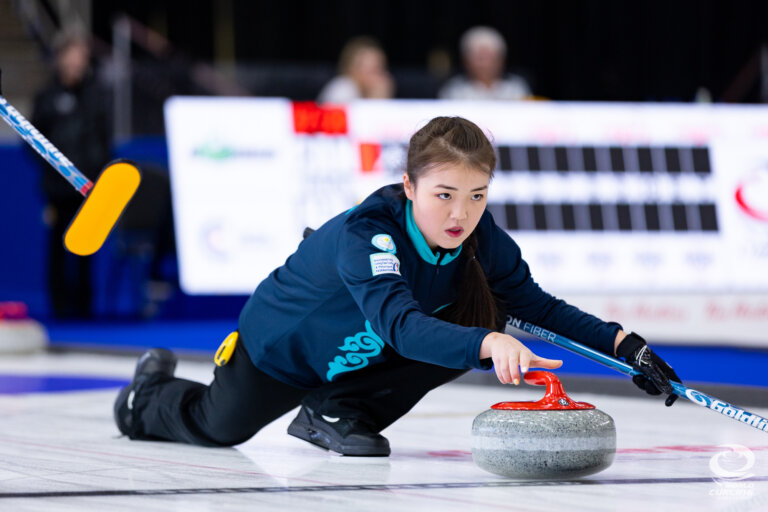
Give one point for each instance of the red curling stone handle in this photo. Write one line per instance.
(555, 398)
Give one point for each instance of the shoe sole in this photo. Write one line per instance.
(321, 439)
(158, 360)
(122, 398)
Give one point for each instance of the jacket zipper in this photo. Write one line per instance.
(436, 273)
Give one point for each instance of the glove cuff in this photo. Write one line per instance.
(630, 345)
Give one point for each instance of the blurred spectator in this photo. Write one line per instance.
(362, 74)
(72, 113)
(483, 52)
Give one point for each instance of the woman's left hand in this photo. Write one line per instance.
(509, 354)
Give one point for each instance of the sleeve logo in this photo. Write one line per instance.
(384, 243)
(384, 263)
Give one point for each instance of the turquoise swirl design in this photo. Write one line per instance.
(359, 349)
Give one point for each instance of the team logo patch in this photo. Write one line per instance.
(384, 263)
(384, 243)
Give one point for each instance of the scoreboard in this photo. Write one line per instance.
(654, 215)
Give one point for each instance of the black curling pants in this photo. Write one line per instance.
(241, 399)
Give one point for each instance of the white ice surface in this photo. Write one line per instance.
(62, 451)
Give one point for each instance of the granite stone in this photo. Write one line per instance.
(543, 444)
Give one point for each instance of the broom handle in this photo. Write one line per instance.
(697, 397)
(43, 146)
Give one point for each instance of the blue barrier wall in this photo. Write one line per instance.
(118, 279)
(23, 234)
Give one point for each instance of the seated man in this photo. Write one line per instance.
(483, 52)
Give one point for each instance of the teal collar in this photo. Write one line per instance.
(421, 244)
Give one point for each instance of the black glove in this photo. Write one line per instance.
(655, 374)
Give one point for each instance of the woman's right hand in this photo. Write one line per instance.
(508, 354)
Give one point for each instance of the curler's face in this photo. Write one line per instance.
(448, 202)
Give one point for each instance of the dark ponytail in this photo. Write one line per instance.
(475, 304)
(454, 140)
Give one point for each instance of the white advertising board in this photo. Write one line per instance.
(654, 215)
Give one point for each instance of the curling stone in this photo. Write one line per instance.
(554, 438)
(19, 333)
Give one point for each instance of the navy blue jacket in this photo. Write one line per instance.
(366, 284)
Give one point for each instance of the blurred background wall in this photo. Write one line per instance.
(143, 52)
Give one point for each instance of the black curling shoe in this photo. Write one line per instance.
(341, 435)
(156, 360)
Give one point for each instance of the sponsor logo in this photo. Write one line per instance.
(751, 198)
(727, 409)
(533, 329)
(384, 263)
(384, 243)
(221, 152)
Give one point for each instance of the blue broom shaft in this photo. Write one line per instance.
(43, 146)
(691, 394)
